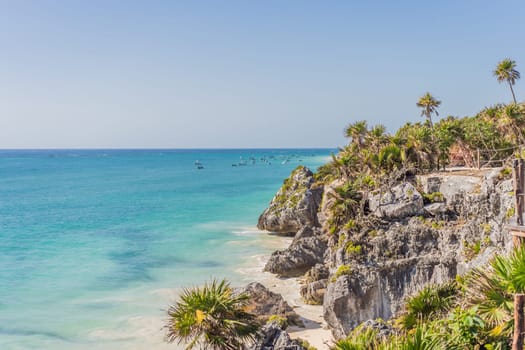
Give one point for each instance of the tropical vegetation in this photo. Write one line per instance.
(506, 71)
(211, 317)
(476, 312)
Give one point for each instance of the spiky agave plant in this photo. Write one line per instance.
(211, 317)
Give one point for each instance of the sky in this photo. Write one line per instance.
(243, 74)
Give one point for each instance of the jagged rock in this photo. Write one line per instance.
(397, 203)
(295, 205)
(431, 184)
(316, 273)
(406, 254)
(274, 338)
(436, 209)
(265, 303)
(329, 199)
(410, 247)
(313, 292)
(306, 250)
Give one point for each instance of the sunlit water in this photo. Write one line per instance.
(94, 245)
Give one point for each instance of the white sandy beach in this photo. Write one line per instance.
(316, 331)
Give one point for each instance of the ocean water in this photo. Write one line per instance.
(95, 244)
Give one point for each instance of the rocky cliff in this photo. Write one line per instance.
(294, 206)
(426, 230)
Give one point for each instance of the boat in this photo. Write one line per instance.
(198, 164)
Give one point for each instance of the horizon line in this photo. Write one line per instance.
(162, 148)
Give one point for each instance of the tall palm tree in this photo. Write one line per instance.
(211, 317)
(506, 71)
(429, 106)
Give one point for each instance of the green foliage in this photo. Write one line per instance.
(352, 249)
(280, 320)
(350, 225)
(305, 344)
(510, 212)
(429, 106)
(436, 225)
(490, 290)
(341, 271)
(486, 227)
(506, 71)
(505, 173)
(213, 317)
(291, 192)
(361, 338)
(421, 338)
(472, 249)
(429, 302)
(341, 240)
(465, 328)
(433, 197)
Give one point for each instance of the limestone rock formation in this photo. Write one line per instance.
(313, 292)
(400, 256)
(307, 249)
(316, 281)
(265, 303)
(402, 245)
(295, 205)
(398, 202)
(274, 338)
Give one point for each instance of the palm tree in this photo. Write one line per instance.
(357, 133)
(211, 317)
(429, 106)
(506, 71)
(431, 301)
(491, 290)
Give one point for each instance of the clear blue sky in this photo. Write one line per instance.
(242, 73)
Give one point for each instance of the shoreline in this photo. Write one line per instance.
(316, 331)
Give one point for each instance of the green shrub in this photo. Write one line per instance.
(433, 197)
(280, 320)
(505, 173)
(352, 249)
(486, 227)
(430, 301)
(305, 344)
(341, 240)
(341, 271)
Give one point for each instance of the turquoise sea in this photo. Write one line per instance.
(94, 244)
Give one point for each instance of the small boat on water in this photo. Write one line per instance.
(198, 164)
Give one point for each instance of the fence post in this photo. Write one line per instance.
(519, 322)
(478, 159)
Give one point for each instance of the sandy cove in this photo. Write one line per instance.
(316, 331)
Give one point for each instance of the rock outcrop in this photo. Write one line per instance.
(265, 304)
(274, 338)
(396, 203)
(418, 232)
(294, 206)
(403, 253)
(313, 292)
(307, 249)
